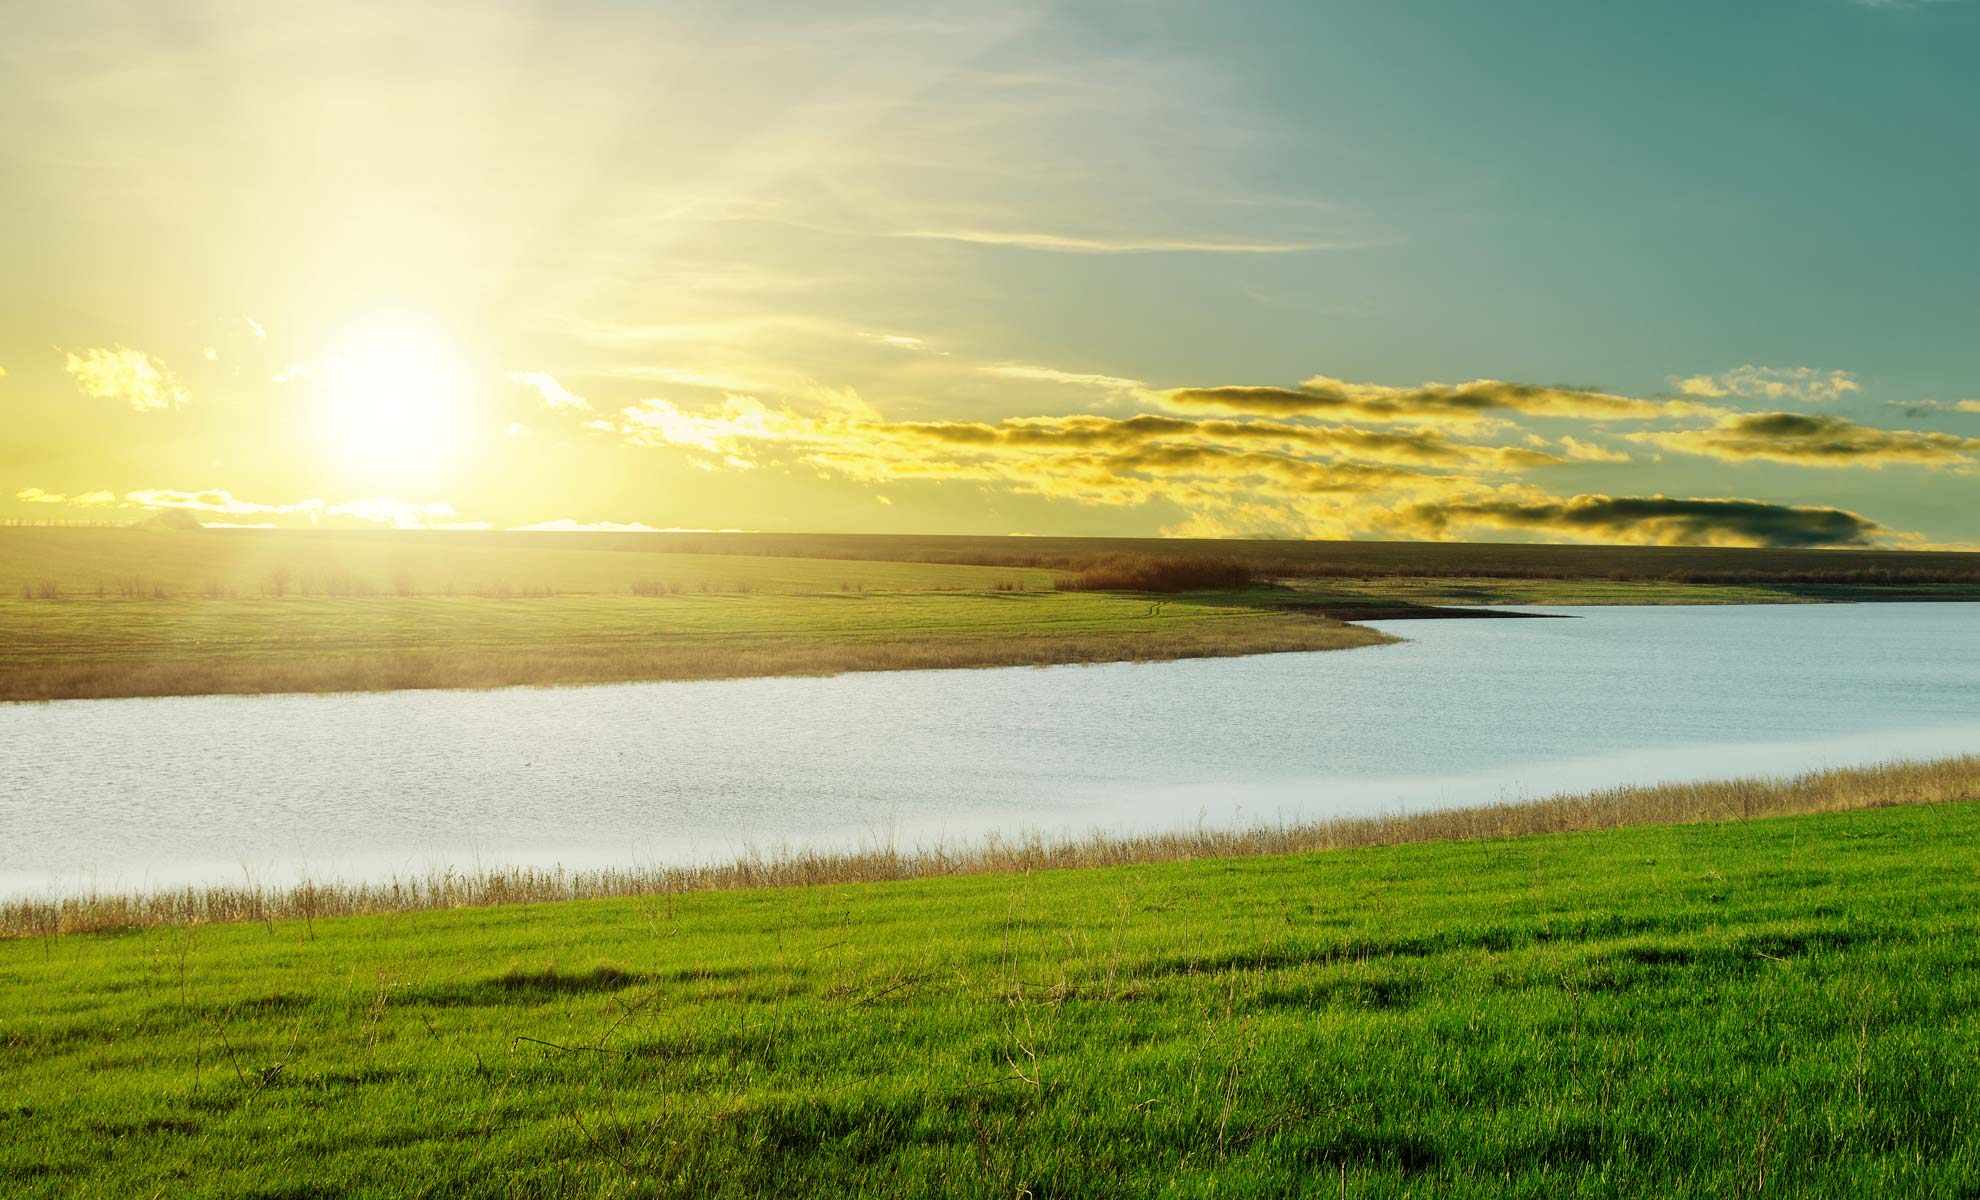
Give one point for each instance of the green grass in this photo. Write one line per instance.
(1777, 1007)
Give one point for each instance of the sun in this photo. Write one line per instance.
(393, 400)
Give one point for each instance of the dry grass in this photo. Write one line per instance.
(557, 655)
(1717, 565)
(1152, 573)
(1884, 786)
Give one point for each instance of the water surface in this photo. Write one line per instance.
(139, 793)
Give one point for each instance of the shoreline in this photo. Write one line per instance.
(193, 647)
(1894, 784)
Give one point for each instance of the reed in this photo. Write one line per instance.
(1153, 573)
(1886, 785)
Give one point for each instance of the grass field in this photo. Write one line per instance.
(135, 612)
(98, 648)
(1785, 1006)
(76, 564)
(1346, 560)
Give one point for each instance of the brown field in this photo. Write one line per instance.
(1373, 560)
(1889, 785)
(107, 612)
(99, 649)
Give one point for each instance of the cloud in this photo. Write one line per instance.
(567, 525)
(35, 495)
(1241, 476)
(1809, 440)
(1925, 408)
(553, 394)
(131, 376)
(1808, 384)
(899, 341)
(1652, 520)
(215, 500)
(741, 428)
(1036, 374)
(402, 514)
(1577, 450)
(373, 510)
(1477, 401)
(1069, 244)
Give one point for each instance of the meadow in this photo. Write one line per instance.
(109, 612)
(1696, 565)
(1750, 1006)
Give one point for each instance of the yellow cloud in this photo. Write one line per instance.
(553, 394)
(1772, 383)
(1648, 520)
(214, 500)
(372, 510)
(1478, 401)
(35, 495)
(131, 376)
(1036, 374)
(1815, 441)
(567, 525)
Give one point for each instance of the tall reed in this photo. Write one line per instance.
(1890, 784)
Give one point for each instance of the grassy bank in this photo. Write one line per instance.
(1706, 565)
(101, 648)
(1776, 1006)
(87, 613)
(1844, 790)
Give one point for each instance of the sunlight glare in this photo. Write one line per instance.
(394, 399)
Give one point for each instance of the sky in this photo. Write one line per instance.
(1685, 272)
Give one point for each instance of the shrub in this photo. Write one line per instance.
(1147, 573)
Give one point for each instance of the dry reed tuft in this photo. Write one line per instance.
(1149, 573)
(1887, 785)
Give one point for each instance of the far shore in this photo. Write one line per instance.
(123, 613)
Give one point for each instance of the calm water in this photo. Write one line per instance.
(134, 793)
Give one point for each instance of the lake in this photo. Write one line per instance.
(125, 794)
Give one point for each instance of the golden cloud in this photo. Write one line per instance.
(1808, 440)
(372, 510)
(131, 376)
(568, 525)
(1772, 383)
(1465, 403)
(35, 495)
(1248, 476)
(214, 500)
(553, 394)
(741, 429)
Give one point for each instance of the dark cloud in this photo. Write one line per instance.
(1418, 446)
(1478, 400)
(1816, 441)
(1654, 520)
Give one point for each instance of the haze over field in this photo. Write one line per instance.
(1654, 274)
